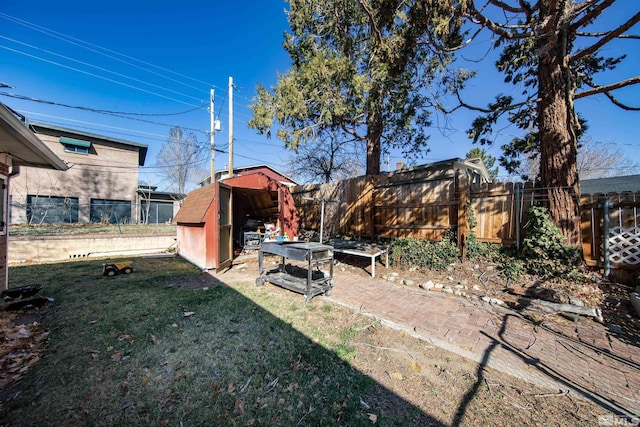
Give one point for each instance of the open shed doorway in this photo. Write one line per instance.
(252, 209)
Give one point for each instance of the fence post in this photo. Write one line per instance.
(518, 201)
(463, 211)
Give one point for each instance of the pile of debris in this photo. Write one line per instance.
(21, 337)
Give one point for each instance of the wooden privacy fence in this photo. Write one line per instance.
(429, 204)
(420, 204)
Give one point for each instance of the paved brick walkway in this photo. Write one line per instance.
(580, 357)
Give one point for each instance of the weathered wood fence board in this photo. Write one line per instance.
(427, 205)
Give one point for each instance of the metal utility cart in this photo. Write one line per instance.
(314, 254)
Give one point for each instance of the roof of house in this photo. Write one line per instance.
(476, 165)
(616, 184)
(57, 130)
(25, 148)
(195, 205)
(150, 191)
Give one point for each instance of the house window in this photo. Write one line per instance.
(73, 145)
(110, 211)
(156, 212)
(51, 210)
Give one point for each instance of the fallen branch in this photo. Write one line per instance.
(558, 394)
(488, 387)
(363, 328)
(386, 348)
(515, 403)
(553, 308)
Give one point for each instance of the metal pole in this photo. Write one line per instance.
(518, 214)
(230, 127)
(321, 220)
(605, 236)
(211, 137)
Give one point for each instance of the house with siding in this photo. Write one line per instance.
(20, 149)
(101, 184)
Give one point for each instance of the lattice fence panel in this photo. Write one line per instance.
(624, 245)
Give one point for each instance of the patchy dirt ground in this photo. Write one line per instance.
(409, 373)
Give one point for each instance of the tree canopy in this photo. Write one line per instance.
(549, 50)
(362, 69)
(327, 159)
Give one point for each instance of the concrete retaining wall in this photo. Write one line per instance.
(57, 248)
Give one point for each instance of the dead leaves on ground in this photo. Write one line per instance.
(19, 347)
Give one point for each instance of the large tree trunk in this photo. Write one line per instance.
(374, 133)
(557, 127)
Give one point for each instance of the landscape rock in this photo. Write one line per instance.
(428, 285)
(408, 282)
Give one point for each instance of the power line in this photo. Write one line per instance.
(96, 76)
(99, 68)
(96, 110)
(85, 45)
(90, 123)
(110, 113)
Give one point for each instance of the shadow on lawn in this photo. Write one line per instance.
(166, 346)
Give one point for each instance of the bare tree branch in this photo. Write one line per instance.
(508, 31)
(508, 7)
(611, 35)
(607, 88)
(621, 36)
(589, 16)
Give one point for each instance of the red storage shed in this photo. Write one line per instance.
(214, 218)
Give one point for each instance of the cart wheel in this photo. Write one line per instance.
(127, 270)
(327, 293)
(259, 281)
(110, 272)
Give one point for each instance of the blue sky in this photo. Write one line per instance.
(169, 56)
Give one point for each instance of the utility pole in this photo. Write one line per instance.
(230, 127)
(211, 137)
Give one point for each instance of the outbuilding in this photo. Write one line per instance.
(213, 220)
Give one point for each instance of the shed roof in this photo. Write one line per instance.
(249, 170)
(195, 205)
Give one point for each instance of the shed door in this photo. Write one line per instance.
(225, 227)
